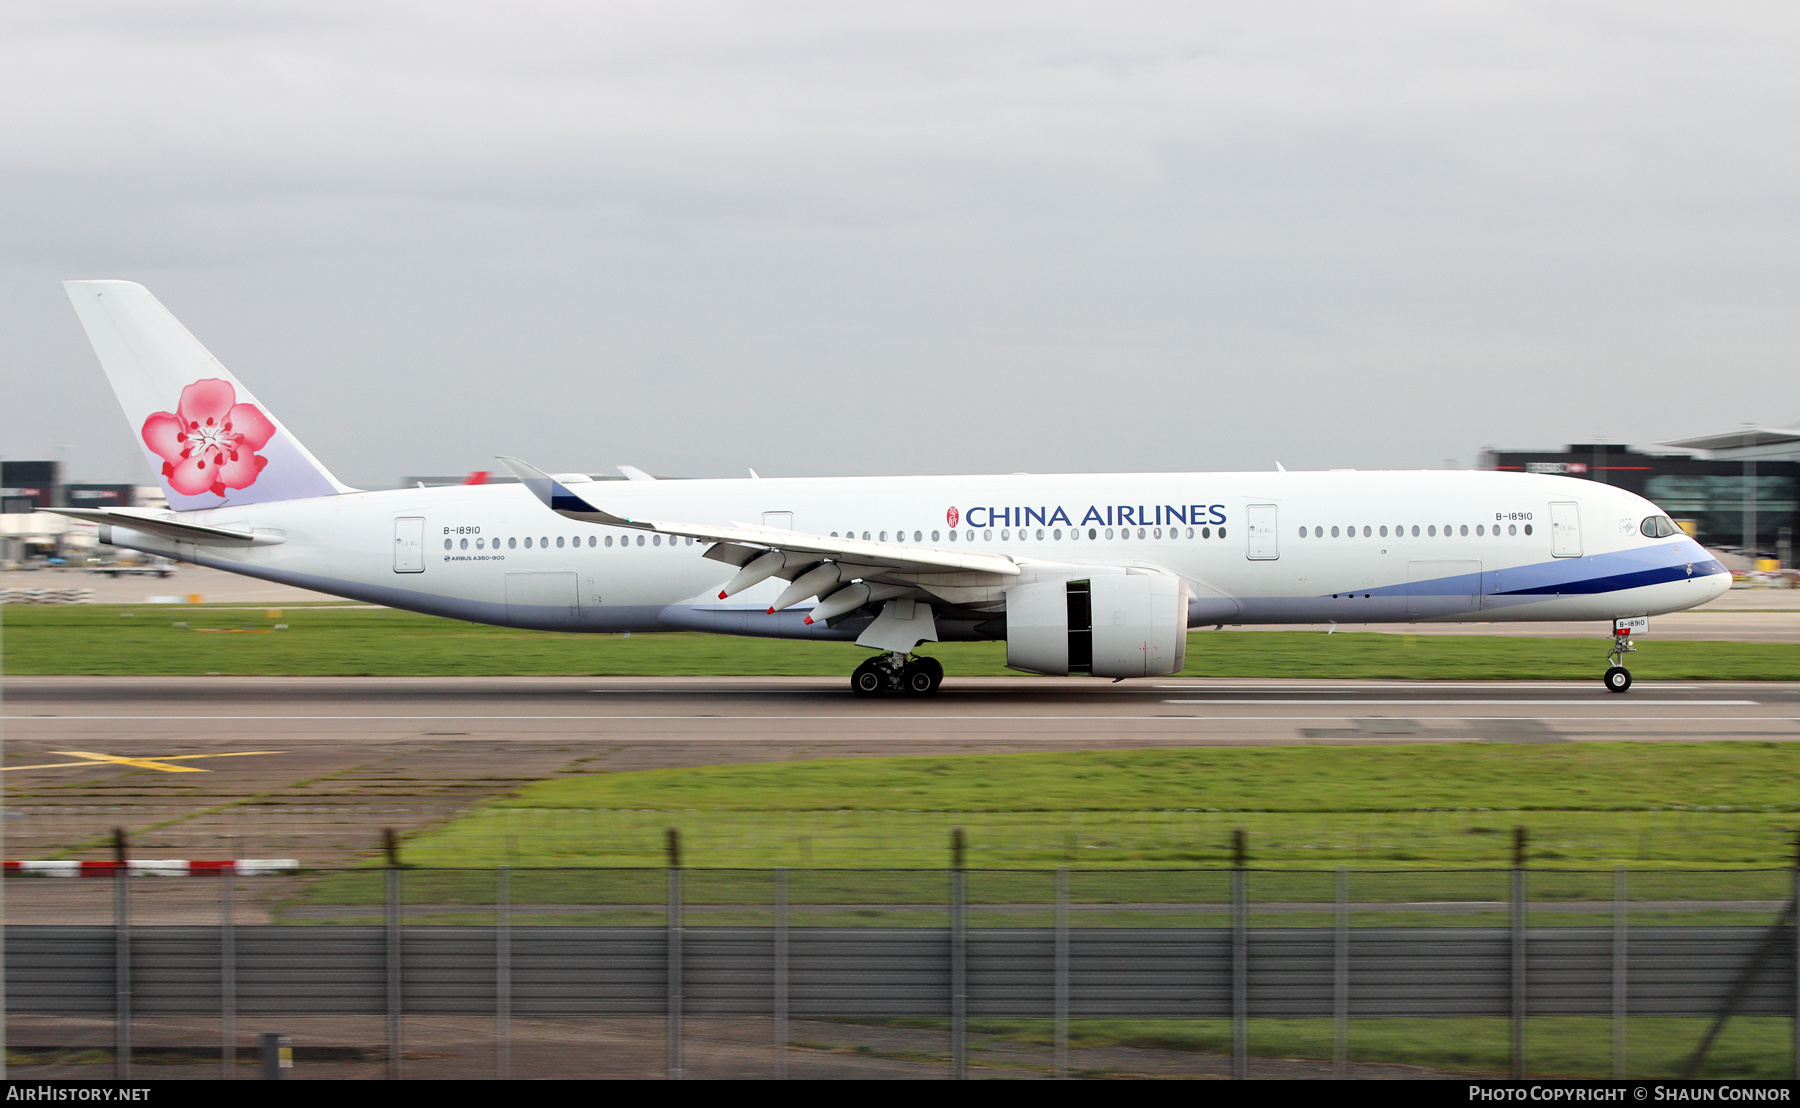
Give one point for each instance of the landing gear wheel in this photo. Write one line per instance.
(1617, 679)
(869, 679)
(921, 677)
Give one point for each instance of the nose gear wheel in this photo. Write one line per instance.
(1617, 677)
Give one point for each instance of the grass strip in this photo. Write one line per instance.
(1555, 1046)
(1690, 805)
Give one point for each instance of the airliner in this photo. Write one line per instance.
(1094, 574)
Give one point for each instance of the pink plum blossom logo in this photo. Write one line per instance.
(951, 517)
(209, 443)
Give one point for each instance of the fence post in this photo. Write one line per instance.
(121, 957)
(674, 955)
(959, 982)
(227, 973)
(277, 1056)
(1620, 922)
(1340, 980)
(1061, 986)
(1518, 954)
(1240, 953)
(781, 973)
(394, 1036)
(503, 972)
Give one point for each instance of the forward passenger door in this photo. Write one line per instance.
(1565, 529)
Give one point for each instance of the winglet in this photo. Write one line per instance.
(556, 496)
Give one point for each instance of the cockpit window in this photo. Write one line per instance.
(1658, 527)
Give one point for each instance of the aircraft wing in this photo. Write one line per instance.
(743, 542)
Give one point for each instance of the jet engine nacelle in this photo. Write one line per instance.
(1110, 624)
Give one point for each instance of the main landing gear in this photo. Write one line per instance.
(896, 673)
(1618, 678)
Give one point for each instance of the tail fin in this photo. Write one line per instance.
(209, 440)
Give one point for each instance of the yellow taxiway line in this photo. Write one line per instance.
(161, 762)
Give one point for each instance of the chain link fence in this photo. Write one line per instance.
(513, 972)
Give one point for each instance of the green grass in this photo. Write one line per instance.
(156, 640)
(1600, 776)
(1555, 1046)
(1436, 805)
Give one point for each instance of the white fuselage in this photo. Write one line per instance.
(1377, 546)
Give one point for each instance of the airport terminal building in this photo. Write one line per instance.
(1737, 491)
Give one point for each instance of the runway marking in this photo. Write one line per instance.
(161, 762)
(1475, 703)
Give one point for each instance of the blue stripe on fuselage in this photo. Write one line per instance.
(1618, 582)
(1595, 573)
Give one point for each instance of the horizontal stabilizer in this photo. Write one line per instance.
(199, 534)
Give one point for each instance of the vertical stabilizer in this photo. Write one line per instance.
(211, 443)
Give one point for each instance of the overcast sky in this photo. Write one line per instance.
(822, 238)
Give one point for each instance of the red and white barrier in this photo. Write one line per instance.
(154, 867)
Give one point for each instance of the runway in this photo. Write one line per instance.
(320, 765)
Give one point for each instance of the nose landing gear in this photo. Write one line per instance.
(896, 673)
(1617, 677)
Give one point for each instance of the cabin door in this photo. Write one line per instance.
(1265, 543)
(409, 544)
(1565, 529)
